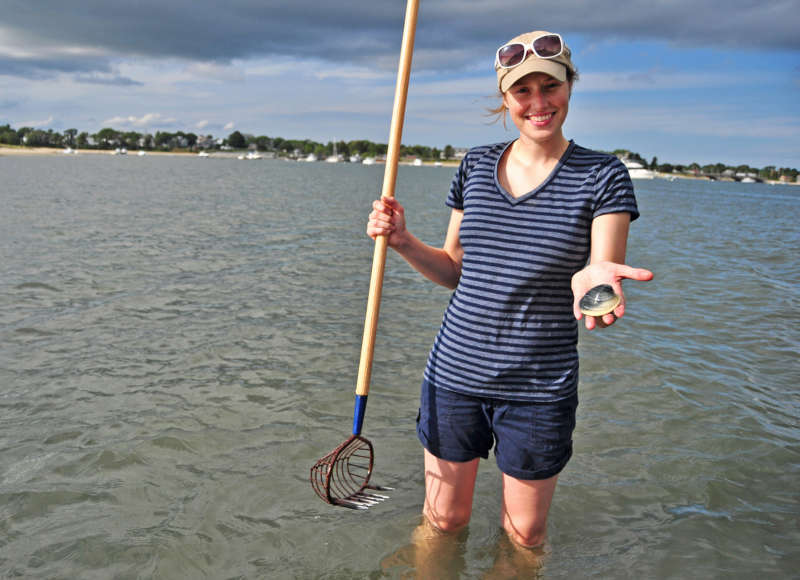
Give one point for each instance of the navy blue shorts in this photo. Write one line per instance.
(531, 440)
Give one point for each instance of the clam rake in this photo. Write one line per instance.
(342, 476)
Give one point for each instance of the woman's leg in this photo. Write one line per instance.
(525, 507)
(449, 486)
(438, 555)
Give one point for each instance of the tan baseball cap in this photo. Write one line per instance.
(555, 67)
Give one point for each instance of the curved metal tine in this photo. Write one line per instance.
(370, 498)
(361, 501)
(379, 488)
(375, 496)
(350, 504)
(357, 502)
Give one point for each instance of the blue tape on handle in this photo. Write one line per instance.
(358, 413)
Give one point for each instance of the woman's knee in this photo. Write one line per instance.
(527, 538)
(526, 504)
(449, 489)
(448, 520)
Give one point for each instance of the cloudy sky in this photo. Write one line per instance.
(683, 80)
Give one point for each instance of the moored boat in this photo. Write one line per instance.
(638, 171)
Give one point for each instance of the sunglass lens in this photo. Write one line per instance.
(547, 46)
(511, 54)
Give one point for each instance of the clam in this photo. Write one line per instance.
(599, 300)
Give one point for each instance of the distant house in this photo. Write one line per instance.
(458, 153)
(206, 142)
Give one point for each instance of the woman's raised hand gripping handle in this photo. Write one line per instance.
(387, 219)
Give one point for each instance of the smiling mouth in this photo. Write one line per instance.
(541, 118)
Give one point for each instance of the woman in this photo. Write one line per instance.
(526, 216)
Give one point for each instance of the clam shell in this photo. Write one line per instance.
(599, 300)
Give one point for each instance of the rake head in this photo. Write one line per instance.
(342, 476)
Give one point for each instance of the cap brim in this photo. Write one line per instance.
(531, 65)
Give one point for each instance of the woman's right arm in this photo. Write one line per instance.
(440, 265)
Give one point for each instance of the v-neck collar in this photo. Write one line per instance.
(517, 200)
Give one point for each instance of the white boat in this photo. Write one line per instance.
(253, 155)
(203, 154)
(335, 158)
(120, 151)
(311, 158)
(70, 151)
(417, 162)
(355, 158)
(368, 161)
(141, 153)
(637, 171)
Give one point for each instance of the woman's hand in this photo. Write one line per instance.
(388, 219)
(604, 273)
(442, 266)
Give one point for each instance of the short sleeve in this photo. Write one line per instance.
(614, 190)
(455, 198)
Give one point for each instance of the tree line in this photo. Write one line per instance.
(108, 138)
(769, 172)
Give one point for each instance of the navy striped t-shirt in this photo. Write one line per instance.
(509, 330)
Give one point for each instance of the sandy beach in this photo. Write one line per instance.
(6, 150)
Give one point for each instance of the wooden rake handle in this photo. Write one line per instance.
(389, 179)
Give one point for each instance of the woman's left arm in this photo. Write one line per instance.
(609, 238)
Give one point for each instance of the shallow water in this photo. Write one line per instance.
(179, 343)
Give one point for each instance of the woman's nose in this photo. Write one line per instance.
(538, 98)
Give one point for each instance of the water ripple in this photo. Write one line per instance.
(180, 344)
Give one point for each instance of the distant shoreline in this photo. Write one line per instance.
(56, 151)
(21, 151)
(43, 151)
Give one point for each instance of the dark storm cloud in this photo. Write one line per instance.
(450, 32)
(206, 30)
(41, 66)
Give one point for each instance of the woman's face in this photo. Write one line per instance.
(538, 106)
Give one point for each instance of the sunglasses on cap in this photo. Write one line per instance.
(513, 54)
